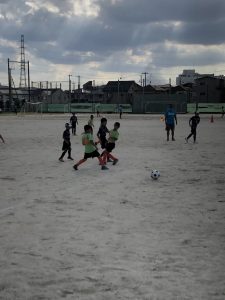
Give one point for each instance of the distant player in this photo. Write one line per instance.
(90, 148)
(91, 122)
(66, 143)
(170, 119)
(222, 112)
(113, 137)
(193, 123)
(120, 111)
(74, 123)
(1, 138)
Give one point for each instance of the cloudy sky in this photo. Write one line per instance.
(105, 40)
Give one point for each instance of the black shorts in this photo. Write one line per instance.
(91, 155)
(193, 130)
(170, 127)
(66, 146)
(109, 147)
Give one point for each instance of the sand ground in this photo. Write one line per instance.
(115, 234)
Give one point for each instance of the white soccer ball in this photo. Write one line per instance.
(155, 174)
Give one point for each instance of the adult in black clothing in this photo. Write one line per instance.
(66, 143)
(193, 123)
(74, 123)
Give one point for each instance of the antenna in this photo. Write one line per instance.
(23, 82)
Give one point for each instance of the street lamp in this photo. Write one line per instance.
(69, 93)
(118, 90)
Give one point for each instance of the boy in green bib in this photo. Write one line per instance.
(90, 148)
(113, 137)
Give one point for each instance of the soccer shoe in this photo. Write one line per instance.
(70, 158)
(104, 168)
(115, 162)
(173, 139)
(60, 159)
(75, 167)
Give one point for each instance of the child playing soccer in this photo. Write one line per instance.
(66, 143)
(193, 123)
(113, 137)
(74, 123)
(103, 130)
(90, 148)
(91, 121)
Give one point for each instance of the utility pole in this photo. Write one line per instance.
(118, 90)
(10, 83)
(23, 82)
(78, 87)
(78, 82)
(28, 71)
(70, 90)
(145, 73)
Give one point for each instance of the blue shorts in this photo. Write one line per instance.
(170, 127)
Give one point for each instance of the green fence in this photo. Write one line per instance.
(55, 108)
(205, 107)
(85, 108)
(82, 107)
(113, 108)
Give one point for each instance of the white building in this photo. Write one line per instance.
(189, 76)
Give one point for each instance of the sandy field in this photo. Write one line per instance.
(115, 234)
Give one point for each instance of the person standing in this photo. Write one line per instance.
(74, 123)
(193, 123)
(66, 143)
(91, 122)
(120, 111)
(98, 113)
(170, 119)
(222, 112)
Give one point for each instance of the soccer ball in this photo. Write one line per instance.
(155, 174)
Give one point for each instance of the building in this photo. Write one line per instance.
(209, 89)
(120, 92)
(189, 76)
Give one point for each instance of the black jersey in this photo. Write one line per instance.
(66, 135)
(194, 121)
(102, 131)
(73, 120)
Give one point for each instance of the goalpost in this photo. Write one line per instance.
(65, 108)
(33, 107)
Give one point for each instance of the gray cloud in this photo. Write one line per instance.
(59, 37)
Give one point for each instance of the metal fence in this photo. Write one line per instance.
(85, 108)
(205, 107)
